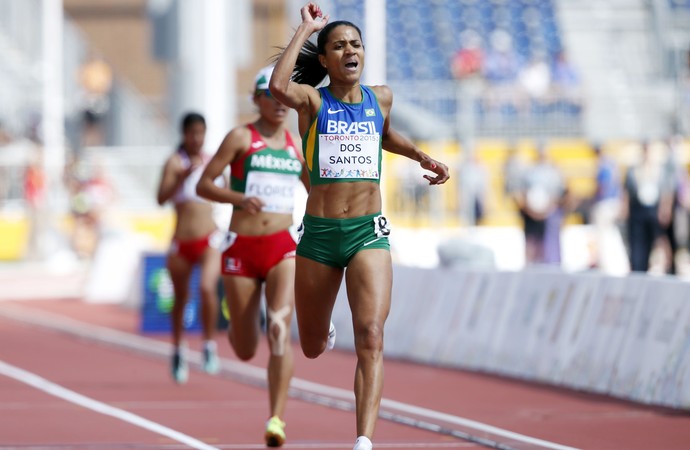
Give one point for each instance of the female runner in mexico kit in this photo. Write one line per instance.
(344, 126)
(194, 242)
(265, 171)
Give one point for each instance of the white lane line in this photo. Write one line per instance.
(56, 390)
(252, 374)
(468, 423)
(348, 445)
(298, 446)
(427, 414)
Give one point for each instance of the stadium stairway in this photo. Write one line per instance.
(613, 45)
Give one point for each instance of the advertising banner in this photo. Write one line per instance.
(654, 363)
(158, 297)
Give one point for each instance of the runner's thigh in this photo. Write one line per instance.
(316, 288)
(369, 280)
(243, 295)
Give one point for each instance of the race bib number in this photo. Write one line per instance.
(276, 190)
(297, 232)
(349, 156)
(382, 227)
(227, 240)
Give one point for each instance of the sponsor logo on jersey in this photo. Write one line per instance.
(343, 127)
(273, 163)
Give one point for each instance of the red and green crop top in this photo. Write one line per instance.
(267, 173)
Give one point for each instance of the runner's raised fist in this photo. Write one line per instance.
(310, 12)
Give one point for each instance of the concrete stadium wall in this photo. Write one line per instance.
(627, 337)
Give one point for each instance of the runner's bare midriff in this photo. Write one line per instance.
(261, 224)
(194, 220)
(344, 200)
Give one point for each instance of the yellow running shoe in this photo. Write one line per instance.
(275, 432)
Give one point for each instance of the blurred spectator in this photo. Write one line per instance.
(34, 197)
(468, 61)
(501, 65)
(684, 93)
(16, 153)
(513, 168)
(605, 210)
(607, 193)
(541, 199)
(646, 207)
(96, 78)
(554, 223)
(501, 68)
(473, 185)
(5, 137)
(535, 81)
(467, 67)
(5, 140)
(91, 193)
(566, 85)
(676, 177)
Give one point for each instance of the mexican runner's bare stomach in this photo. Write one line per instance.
(260, 224)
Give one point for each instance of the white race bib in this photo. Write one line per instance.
(349, 156)
(538, 199)
(648, 193)
(276, 190)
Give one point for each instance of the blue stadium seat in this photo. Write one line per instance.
(680, 4)
(423, 37)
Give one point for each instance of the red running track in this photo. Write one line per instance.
(79, 376)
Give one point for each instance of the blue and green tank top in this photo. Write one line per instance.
(343, 143)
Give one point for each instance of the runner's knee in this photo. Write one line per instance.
(245, 349)
(207, 290)
(369, 337)
(278, 330)
(313, 344)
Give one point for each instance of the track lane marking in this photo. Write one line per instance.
(314, 392)
(40, 383)
(297, 446)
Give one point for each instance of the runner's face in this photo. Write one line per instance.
(344, 57)
(194, 137)
(269, 108)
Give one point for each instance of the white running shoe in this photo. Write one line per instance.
(211, 363)
(363, 443)
(178, 367)
(331, 337)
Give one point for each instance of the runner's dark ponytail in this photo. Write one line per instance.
(308, 68)
(187, 121)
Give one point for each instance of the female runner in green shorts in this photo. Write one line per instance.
(344, 128)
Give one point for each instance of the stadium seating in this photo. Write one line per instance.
(679, 4)
(423, 37)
